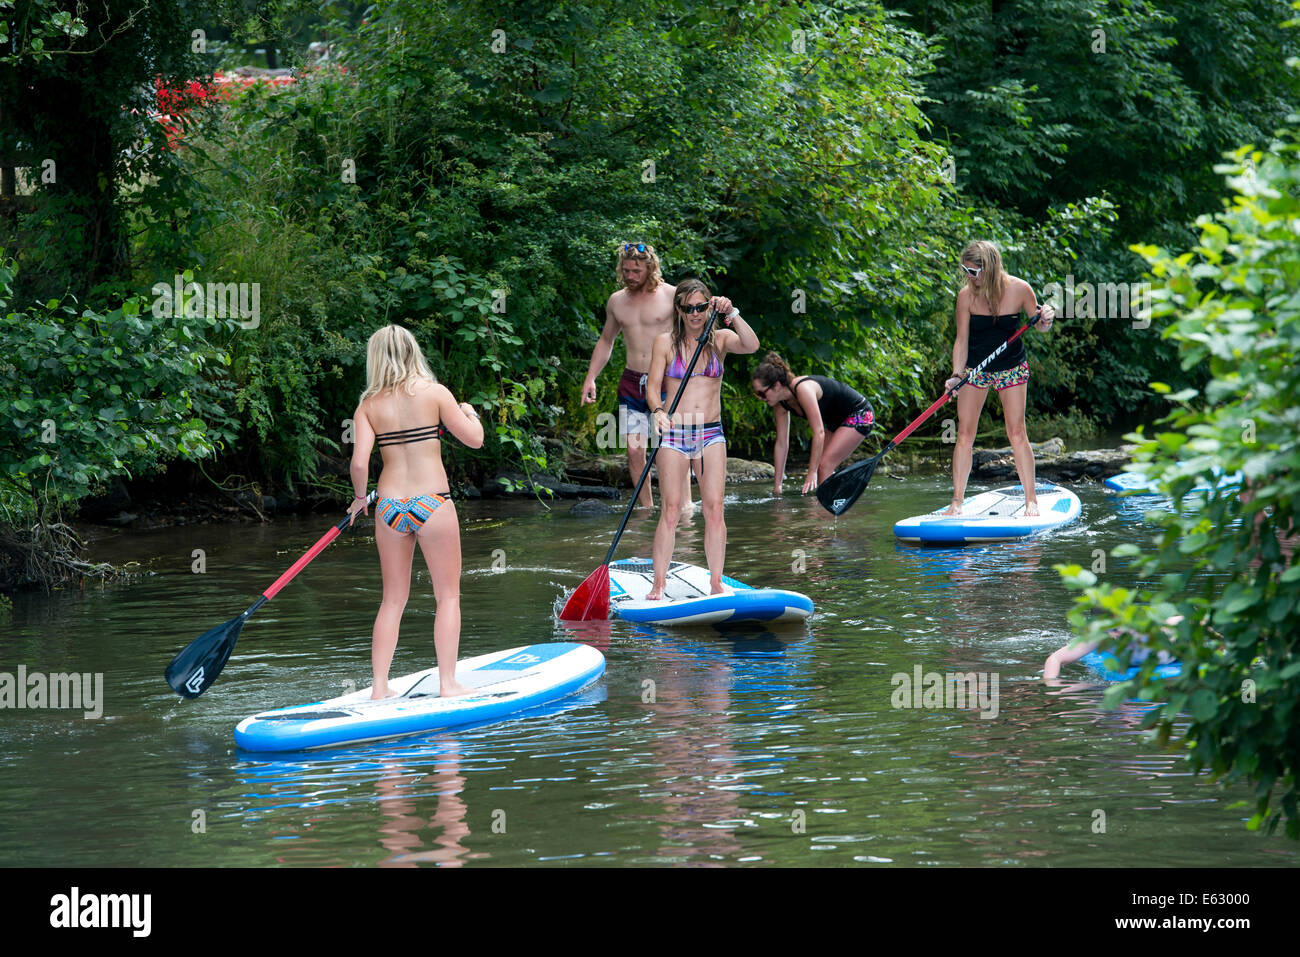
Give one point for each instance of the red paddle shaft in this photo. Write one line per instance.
(957, 388)
(306, 559)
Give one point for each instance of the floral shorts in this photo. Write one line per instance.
(1001, 380)
(861, 419)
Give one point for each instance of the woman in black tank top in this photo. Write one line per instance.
(989, 308)
(838, 415)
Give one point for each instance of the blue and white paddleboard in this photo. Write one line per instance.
(994, 516)
(1138, 483)
(1100, 663)
(687, 600)
(504, 682)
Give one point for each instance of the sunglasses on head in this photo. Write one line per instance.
(637, 247)
(973, 273)
(691, 310)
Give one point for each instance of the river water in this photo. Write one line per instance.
(698, 747)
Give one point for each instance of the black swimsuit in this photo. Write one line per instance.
(986, 334)
(839, 405)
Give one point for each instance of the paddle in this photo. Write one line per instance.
(590, 600)
(838, 493)
(197, 666)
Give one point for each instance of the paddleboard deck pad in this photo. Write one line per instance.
(1100, 665)
(504, 682)
(1137, 483)
(993, 516)
(687, 600)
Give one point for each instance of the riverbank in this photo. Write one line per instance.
(597, 483)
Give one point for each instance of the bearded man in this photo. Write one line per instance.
(641, 310)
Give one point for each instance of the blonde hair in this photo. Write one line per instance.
(985, 254)
(653, 274)
(685, 289)
(394, 360)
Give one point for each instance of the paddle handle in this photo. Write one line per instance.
(306, 559)
(654, 449)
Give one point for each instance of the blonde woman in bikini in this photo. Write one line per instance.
(406, 412)
(989, 307)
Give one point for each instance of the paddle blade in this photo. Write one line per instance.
(838, 493)
(197, 666)
(590, 600)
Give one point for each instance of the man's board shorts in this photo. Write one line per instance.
(692, 440)
(1016, 375)
(633, 412)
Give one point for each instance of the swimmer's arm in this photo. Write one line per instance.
(1064, 656)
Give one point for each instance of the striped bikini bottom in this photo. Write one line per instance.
(692, 440)
(409, 514)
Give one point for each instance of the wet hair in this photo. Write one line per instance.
(394, 360)
(653, 274)
(985, 254)
(685, 289)
(772, 370)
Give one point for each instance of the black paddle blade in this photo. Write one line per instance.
(838, 493)
(197, 666)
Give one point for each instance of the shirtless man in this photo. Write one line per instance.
(641, 310)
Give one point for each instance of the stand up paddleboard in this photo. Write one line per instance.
(687, 600)
(504, 682)
(1097, 662)
(1137, 483)
(996, 516)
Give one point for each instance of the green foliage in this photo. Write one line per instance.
(495, 173)
(96, 395)
(1226, 561)
(1050, 103)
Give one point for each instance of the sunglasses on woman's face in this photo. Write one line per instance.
(762, 392)
(691, 310)
(973, 273)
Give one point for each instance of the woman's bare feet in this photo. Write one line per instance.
(380, 697)
(451, 688)
(1031, 509)
(655, 594)
(953, 509)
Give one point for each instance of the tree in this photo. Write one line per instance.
(1226, 561)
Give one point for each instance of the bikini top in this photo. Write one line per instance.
(403, 436)
(678, 368)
